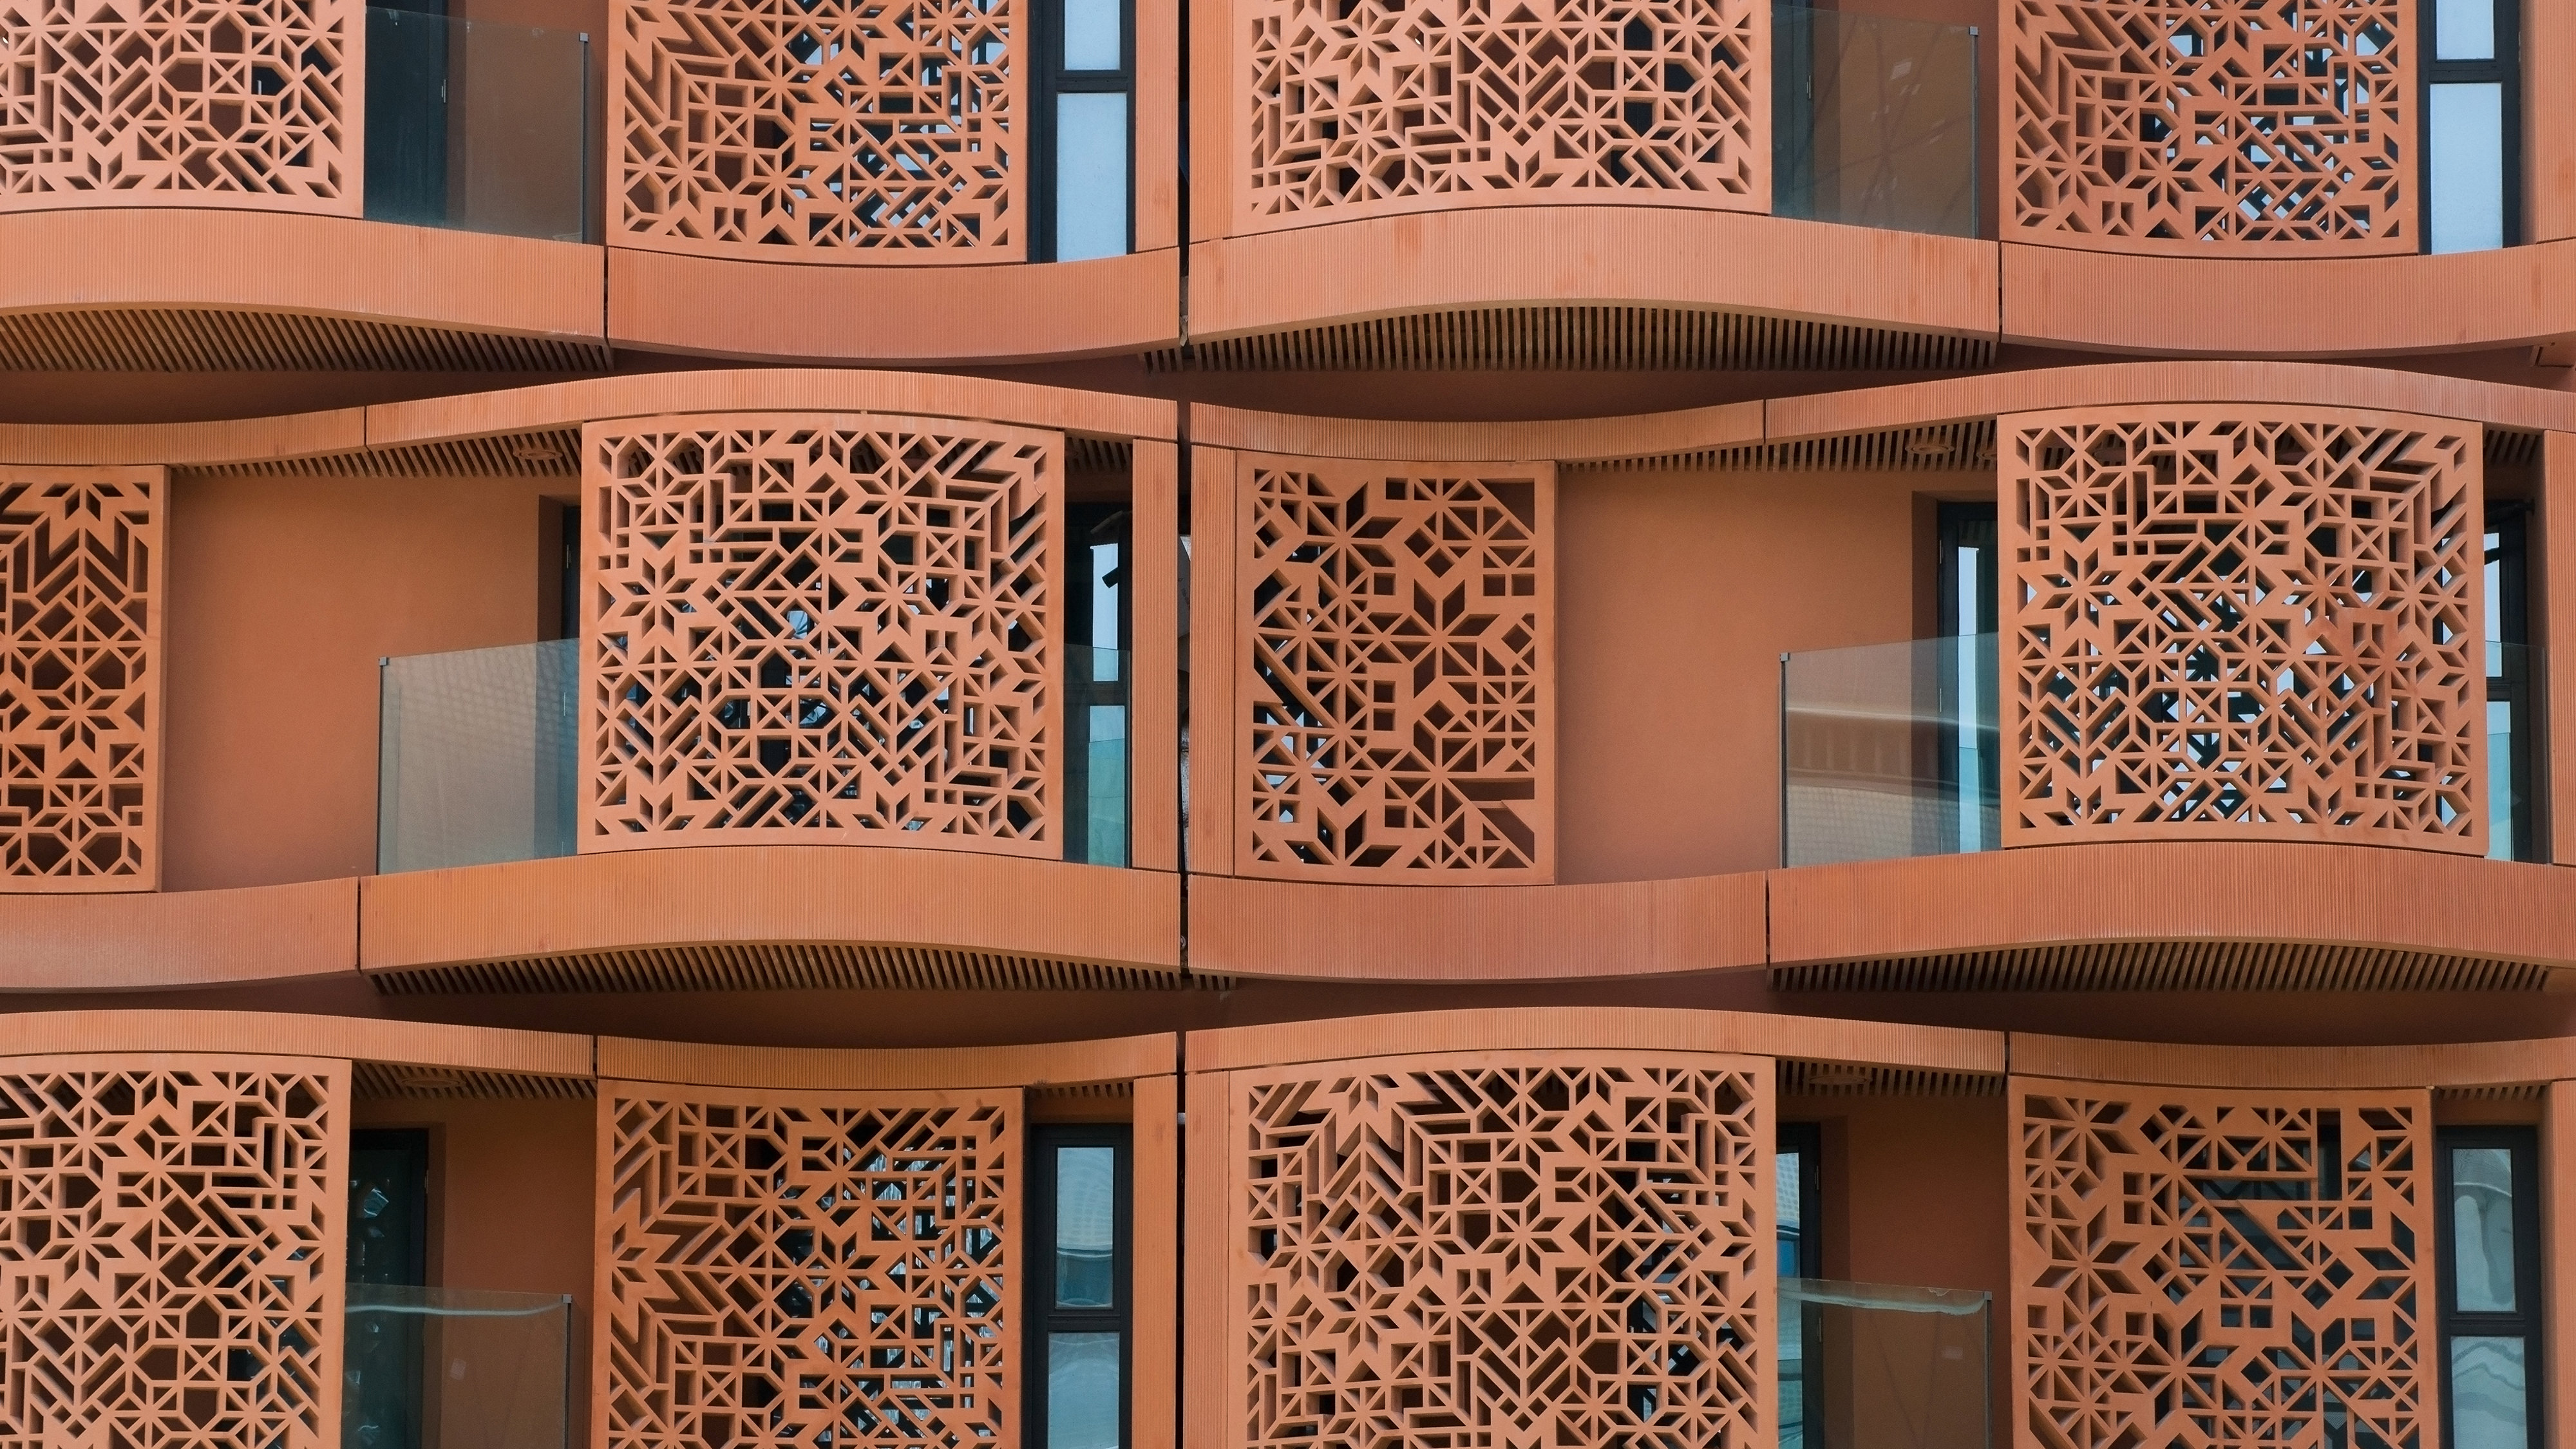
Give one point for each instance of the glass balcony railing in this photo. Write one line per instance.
(456, 1368)
(1875, 121)
(1869, 1366)
(1890, 750)
(1095, 761)
(477, 126)
(2515, 685)
(476, 756)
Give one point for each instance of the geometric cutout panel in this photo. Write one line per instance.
(170, 1244)
(1503, 1249)
(80, 678)
(2222, 1268)
(820, 629)
(2252, 128)
(807, 1268)
(822, 130)
(2243, 621)
(1399, 671)
(181, 103)
(1371, 107)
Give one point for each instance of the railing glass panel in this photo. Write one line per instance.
(477, 756)
(1871, 1366)
(1095, 765)
(456, 1368)
(1875, 121)
(1890, 750)
(477, 126)
(2515, 787)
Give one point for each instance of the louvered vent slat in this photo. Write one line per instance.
(787, 967)
(555, 453)
(151, 339)
(2169, 966)
(1580, 339)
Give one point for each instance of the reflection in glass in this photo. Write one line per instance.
(1086, 1204)
(2464, 198)
(2464, 30)
(1091, 35)
(2482, 1229)
(1082, 1388)
(2490, 1402)
(1091, 176)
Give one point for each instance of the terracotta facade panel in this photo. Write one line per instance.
(81, 604)
(744, 128)
(2273, 128)
(817, 628)
(255, 103)
(174, 1255)
(1395, 676)
(2221, 1268)
(1567, 1247)
(1354, 111)
(2242, 620)
(807, 1267)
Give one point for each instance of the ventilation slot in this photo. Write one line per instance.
(381, 1080)
(184, 340)
(782, 968)
(551, 454)
(2169, 966)
(1098, 455)
(1845, 1079)
(1580, 339)
(2510, 1092)
(2506, 448)
(1942, 447)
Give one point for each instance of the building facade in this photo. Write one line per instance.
(1256, 724)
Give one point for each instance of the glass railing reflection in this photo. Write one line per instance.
(1095, 765)
(1875, 121)
(1873, 1366)
(476, 756)
(1890, 750)
(474, 125)
(455, 1368)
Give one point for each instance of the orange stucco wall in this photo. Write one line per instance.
(1679, 592)
(284, 594)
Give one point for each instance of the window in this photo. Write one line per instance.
(1085, 130)
(1968, 757)
(1798, 1170)
(388, 1244)
(1097, 622)
(2472, 124)
(1080, 1299)
(2487, 1218)
(2513, 746)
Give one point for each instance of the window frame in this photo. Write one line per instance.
(2517, 686)
(2503, 69)
(1049, 80)
(1040, 1317)
(2527, 1321)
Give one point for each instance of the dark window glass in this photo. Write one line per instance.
(1098, 619)
(1082, 191)
(1798, 1176)
(1968, 753)
(2513, 685)
(2487, 1267)
(2472, 144)
(389, 1245)
(1079, 1308)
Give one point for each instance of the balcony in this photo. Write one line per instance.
(457, 1368)
(1897, 750)
(478, 126)
(480, 760)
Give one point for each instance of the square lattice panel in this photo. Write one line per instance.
(2243, 621)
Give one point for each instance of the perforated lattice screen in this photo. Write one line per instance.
(2206, 1268)
(802, 628)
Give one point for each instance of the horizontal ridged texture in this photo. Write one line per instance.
(549, 454)
(1843, 1079)
(2169, 966)
(1941, 447)
(383, 1080)
(786, 967)
(1579, 339)
(148, 339)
